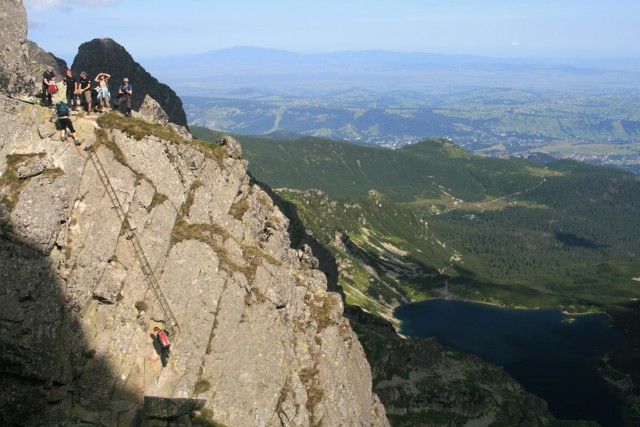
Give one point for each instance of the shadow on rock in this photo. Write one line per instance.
(47, 372)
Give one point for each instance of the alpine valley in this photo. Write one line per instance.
(430, 220)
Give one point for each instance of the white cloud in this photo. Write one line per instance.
(515, 43)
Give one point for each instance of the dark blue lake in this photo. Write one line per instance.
(550, 358)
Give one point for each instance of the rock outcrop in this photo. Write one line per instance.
(152, 111)
(159, 411)
(107, 56)
(16, 77)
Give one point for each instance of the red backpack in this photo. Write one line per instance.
(163, 337)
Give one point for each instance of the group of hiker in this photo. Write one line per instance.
(81, 91)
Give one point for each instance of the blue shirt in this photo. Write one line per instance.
(124, 88)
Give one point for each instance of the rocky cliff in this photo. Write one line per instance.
(260, 338)
(149, 228)
(16, 77)
(107, 56)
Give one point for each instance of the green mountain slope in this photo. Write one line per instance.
(425, 171)
(383, 249)
(503, 231)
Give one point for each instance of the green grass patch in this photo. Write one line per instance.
(186, 206)
(103, 139)
(157, 200)
(14, 184)
(211, 151)
(201, 386)
(138, 129)
(309, 378)
(211, 234)
(141, 306)
(239, 208)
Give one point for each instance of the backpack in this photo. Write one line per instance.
(53, 89)
(62, 109)
(163, 338)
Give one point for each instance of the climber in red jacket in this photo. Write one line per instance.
(163, 339)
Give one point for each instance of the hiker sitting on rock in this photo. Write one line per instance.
(162, 336)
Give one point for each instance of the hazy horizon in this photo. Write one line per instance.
(566, 29)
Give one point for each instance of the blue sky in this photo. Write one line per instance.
(497, 28)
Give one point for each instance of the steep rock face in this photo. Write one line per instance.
(260, 338)
(107, 56)
(15, 73)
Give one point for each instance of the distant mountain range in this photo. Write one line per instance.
(240, 67)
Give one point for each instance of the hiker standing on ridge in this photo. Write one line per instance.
(70, 81)
(103, 91)
(84, 87)
(48, 79)
(124, 95)
(162, 336)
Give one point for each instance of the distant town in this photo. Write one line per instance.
(600, 129)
